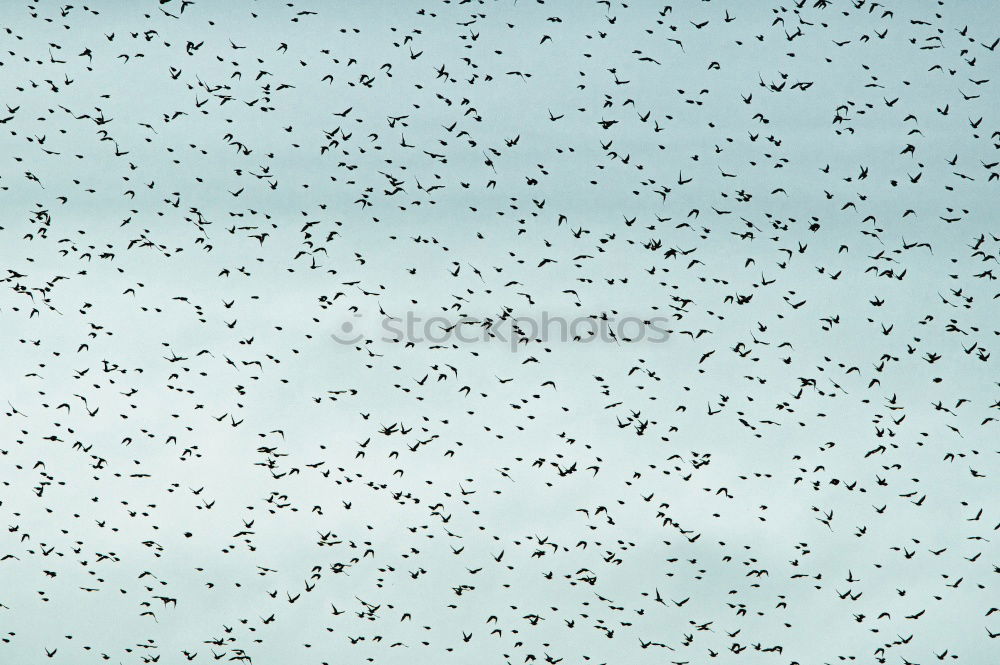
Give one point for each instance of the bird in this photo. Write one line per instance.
(386, 333)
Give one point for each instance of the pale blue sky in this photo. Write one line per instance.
(118, 264)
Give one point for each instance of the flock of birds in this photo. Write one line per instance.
(200, 199)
